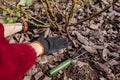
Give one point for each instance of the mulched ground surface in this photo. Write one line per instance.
(97, 41)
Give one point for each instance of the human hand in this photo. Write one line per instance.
(52, 44)
(39, 49)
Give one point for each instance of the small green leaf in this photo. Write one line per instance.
(11, 20)
(14, 20)
(5, 21)
(2, 20)
(25, 2)
(18, 13)
(4, 12)
(22, 2)
(29, 2)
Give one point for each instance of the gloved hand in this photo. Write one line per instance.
(26, 26)
(48, 45)
(53, 44)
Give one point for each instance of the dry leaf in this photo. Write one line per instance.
(105, 1)
(47, 78)
(27, 78)
(81, 38)
(111, 63)
(47, 32)
(42, 60)
(80, 64)
(105, 54)
(38, 75)
(105, 69)
(94, 26)
(114, 54)
(89, 49)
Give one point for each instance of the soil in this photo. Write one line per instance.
(96, 42)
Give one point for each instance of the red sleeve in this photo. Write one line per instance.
(1, 30)
(15, 59)
(2, 39)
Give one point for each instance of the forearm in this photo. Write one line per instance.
(10, 29)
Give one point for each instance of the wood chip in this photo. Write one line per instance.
(114, 54)
(94, 26)
(27, 78)
(81, 64)
(105, 54)
(47, 32)
(47, 78)
(70, 79)
(12, 40)
(42, 60)
(111, 63)
(38, 75)
(102, 78)
(106, 70)
(81, 38)
(89, 49)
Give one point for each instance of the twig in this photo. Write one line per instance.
(94, 15)
(38, 25)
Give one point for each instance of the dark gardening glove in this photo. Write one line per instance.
(26, 26)
(53, 44)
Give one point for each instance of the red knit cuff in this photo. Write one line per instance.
(27, 58)
(1, 30)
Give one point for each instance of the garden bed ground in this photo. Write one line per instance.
(97, 41)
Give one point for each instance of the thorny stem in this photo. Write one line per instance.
(25, 13)
(38, 25)
(68, 20)
(94, 15)
(50, 10)
(51, 13)
(58, 8)
(33, 18)
(47, 14)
